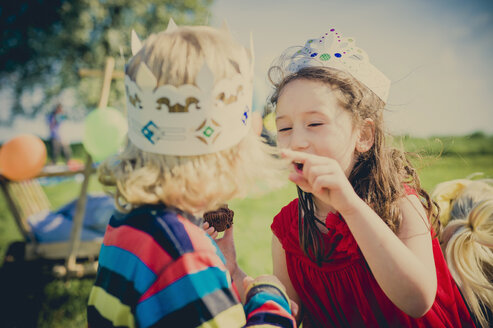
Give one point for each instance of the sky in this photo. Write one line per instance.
(438, 54)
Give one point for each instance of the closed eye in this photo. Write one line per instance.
(315, 124)
(284, 129)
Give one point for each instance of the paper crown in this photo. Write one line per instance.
(332, 50)
(189, 119)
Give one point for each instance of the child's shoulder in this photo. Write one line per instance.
(414, 221)
(410, 190)
(289, 209)
(285, 218)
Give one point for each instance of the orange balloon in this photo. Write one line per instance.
(22, 157)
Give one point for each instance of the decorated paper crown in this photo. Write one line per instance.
(189, 119)
(332, 50)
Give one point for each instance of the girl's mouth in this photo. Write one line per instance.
(298, 167)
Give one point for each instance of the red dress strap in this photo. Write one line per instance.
(410, 191)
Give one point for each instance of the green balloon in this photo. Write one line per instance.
(104, 132)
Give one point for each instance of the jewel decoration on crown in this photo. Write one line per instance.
(333, 50)
(188, 120)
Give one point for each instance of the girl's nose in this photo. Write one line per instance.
(298, 141)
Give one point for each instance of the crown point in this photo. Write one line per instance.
(225, 26)
(144, 77)
(252, 53)
(205, 78)
(171, 26)
(135, 44)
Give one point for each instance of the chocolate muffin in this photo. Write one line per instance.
(221, 219)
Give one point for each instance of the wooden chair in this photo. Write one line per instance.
(25, 198)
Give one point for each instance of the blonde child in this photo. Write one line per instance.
(190, 149)
(467, 241)
(356, 249)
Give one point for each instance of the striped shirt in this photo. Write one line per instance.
(158, 268)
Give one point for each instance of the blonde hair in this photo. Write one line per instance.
(467, 239)
(191, 183)
(379, 173)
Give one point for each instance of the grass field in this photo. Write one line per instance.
(61, 303)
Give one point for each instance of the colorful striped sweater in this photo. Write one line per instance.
(158, 268)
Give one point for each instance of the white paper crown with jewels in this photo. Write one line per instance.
(189, 119)
(332, 50)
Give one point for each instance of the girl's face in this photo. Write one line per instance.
(310, 119)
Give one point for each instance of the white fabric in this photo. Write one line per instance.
(332, 50)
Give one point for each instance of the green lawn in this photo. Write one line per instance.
(58, 303)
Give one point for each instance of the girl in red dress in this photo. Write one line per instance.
(357, 247)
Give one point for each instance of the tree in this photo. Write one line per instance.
(45, 43)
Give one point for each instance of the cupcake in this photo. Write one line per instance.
(221, 219)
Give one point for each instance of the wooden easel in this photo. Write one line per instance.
(71, 267)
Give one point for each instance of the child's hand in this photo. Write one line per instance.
(265, 278)
(227, 246)
(270, 279)
(210, 230)
(323, 177)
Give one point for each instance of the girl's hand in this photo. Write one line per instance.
(323, 177)
(210, 230)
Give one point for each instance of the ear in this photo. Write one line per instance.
(366, 137)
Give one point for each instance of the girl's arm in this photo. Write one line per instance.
(281, 272)
(403, 265)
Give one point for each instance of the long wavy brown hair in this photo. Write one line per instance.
(378, 174)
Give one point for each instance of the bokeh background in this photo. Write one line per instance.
(438, 55)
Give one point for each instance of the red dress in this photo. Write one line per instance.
(344, 293)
